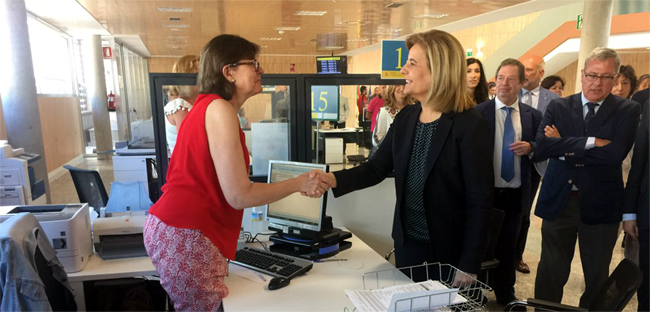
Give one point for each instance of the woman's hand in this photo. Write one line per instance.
(314, 183)
(317, 183)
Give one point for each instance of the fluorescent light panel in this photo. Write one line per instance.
(175, 25)
(285, 28)
(310, 13)
(174, 10)
(431, 16)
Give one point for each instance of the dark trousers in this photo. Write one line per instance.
(644, 262)
(508, 200)
(414, 253)
(558, 244)
(525, 216)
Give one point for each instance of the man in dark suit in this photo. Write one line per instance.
(534, 95)
(637, 204)
(513, 126)
(586, 136)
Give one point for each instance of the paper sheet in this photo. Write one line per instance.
(433, 292)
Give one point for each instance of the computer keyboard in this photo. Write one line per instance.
(271, 263)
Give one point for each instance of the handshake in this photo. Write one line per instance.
(315, 183)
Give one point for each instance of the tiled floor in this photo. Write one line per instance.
(63, 191)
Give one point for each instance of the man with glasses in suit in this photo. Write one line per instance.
(586, 136)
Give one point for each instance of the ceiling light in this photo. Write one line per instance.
(175, 10)
(176, 37)
(310, 13)
(358, 40)
(175, 26)
(284, 28)
(331, 47)
(270, 39)
(393, 5)
(431, 16)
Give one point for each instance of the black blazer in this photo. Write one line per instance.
(637, 190)
(530, 120)
(596, 172)
(458, 186)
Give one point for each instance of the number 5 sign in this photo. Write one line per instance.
(325, 103)
(393, 56)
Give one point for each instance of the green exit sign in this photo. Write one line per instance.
(579, 22)
(468, 53)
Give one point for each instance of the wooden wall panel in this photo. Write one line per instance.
(271, 64)
(368, 63)
(640, 61)
(62, 137)
(3, 127)
(258, 107)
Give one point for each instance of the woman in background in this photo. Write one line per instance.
(394, 102)
(441, 155)
(625, 83)
(554, 84)
(193, 228)
(181, 99)
(476, 83)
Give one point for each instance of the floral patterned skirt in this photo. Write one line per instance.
(190, 266)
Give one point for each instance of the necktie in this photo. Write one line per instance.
(528, 98)
(590, 115)
(508, 156)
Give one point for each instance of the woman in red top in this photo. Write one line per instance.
(193, 228)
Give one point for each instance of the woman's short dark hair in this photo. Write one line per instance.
(551, 80)
(221, 51)
(481, 92)
(628, 72)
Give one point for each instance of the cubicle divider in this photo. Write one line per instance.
(297, 90)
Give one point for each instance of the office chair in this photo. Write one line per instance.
(90, 187)
(612, 296)
(494, 229)
(26, 266)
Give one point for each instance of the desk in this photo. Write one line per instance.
(98, 269)
(321, 289)
(349, 135)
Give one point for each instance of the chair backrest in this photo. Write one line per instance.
(619, 288)
(494, 229)
(90, 187)
(128, 194)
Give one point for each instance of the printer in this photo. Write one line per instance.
(66, 226)
(119, 236)
(18, 183)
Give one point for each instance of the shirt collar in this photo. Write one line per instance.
(499, 105)
(533, 91)
(585, 101)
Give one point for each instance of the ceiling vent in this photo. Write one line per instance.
(394, 5)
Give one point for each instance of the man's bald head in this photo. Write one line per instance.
(534, 71)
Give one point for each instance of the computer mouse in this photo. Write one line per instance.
(278, 282)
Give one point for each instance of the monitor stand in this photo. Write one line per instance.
(327, 243)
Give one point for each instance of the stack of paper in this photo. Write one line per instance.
(429, 295)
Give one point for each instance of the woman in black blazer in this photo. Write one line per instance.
(441, 154)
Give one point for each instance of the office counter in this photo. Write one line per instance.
(320, 289)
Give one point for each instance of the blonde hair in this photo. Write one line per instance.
(188, 64)
(390, 99)
(448, 67)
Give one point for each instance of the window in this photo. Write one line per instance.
(51, 59)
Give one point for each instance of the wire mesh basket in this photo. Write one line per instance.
(469, 287)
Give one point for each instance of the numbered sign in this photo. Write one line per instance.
(393, 56)
(325, 103)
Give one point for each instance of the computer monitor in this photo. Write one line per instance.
(295, 211)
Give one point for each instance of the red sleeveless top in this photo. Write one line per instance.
(192, 197)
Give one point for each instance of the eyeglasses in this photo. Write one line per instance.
(255, 64)
(594, 77)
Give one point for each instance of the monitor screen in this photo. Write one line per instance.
(332, 64)
(295, 210)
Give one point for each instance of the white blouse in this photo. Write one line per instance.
(171, 131)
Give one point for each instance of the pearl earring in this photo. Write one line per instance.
(233, 80)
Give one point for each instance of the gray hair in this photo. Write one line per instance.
(603, 54)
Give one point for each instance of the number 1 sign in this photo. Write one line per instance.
(393, 56)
